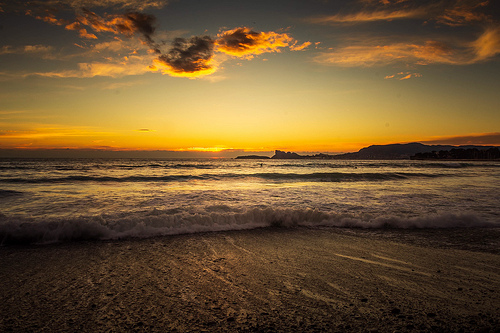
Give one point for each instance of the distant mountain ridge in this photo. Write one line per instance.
(383, 152)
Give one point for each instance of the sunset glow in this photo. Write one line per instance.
(159, 75)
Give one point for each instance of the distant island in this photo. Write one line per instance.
(415, 150)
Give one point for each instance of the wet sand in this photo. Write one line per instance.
(259, 280)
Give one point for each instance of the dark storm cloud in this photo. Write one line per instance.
(189, 57)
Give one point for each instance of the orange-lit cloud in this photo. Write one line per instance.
(379, 55)
(471, 139)
(369, 16)
(447, 12)
(124, 24)
(197, 56)
(300, 47)
(193, 57)
(403, 76)
(464, 12)
(246, 43)
(51, 131)
(488, 44)
(127, 66)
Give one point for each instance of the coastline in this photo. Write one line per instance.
(307, 279)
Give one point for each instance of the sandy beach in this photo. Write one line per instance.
(300, 279)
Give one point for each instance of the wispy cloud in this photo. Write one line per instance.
(119, 4)
(447, 12)
(44, 51)
(463, 12)
(380, 55)
(488, 44)
(51, 131)
(471, 139)
(403, 76)
(485, 47)
(368, 16)
(126, 66)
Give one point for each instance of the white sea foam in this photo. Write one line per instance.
(22, 230)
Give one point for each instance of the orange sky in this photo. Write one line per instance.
(298, 76)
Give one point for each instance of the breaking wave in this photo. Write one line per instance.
(34, 230)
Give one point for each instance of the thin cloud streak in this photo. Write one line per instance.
(127, 66)
(452, 13)
(472, 139)
(364, 17)
(118, 4)
(403, 76)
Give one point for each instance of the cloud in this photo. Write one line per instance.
(462, 12)
(403, 76)
(246, 43)
(300, 47)
(488, 44)
(380, 55)
(485, 47)
(119, 4)
(193, 57)
(27, 49)
(44, 131)
(446, 12)
(188, 58)
(127, 66)
(119, 24)
(145, 130)
(471, 139)
(369, 16)
(199, 55)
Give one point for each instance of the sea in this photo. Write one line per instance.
(64, 200)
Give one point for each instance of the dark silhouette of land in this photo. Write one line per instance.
(398, 151)
(460, 154)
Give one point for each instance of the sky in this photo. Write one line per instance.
(248, 76)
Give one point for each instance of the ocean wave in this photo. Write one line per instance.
(272, 176)
(9, 193)
(31, 230)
